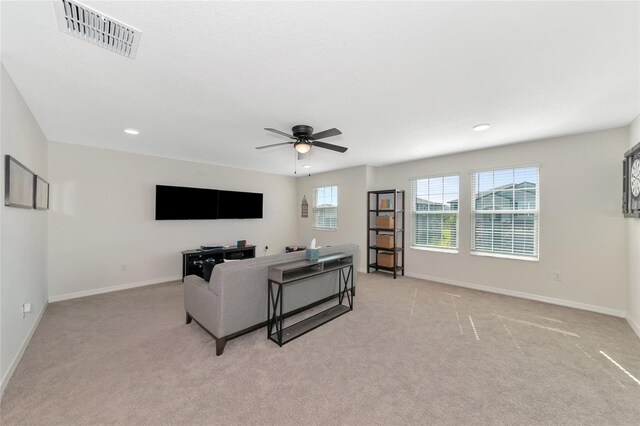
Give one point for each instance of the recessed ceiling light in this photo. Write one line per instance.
(132, 131)
(481, 127)
(306, 166)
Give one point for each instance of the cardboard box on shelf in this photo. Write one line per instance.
(385, 222)
(386, 259)
(384, 241)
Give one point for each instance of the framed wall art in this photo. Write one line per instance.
(41, 194)
(18, 184)
(631, 183)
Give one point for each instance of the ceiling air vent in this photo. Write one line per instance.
(97, 28)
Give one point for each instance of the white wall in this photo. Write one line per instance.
(102, 217)
(583, 234)
(352, 218)
(633, 230)
(23, 250)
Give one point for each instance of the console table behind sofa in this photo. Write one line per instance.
(280, 276)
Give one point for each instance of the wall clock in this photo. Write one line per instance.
(631, 183)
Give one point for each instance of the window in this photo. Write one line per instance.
(325, 207)
(434, 212)
(505, 212)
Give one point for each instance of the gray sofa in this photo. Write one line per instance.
(234, 301)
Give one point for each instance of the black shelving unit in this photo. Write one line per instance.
(394, 241)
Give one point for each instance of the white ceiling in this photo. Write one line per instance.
(401, 80)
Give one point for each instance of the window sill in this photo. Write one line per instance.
(506, 256)
(326, 229)
(436, 249)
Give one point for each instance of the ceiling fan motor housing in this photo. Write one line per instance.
(302, 131)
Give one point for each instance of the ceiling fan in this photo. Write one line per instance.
(304, 138)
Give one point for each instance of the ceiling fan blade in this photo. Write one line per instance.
(275, 144)
(330, 146)
(325, 134)
(279, 132)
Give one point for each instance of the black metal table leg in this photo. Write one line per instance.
(272, 312)
(269, 309)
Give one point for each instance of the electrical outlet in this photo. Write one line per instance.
(26, 308)
(123, 267)
(557, 276)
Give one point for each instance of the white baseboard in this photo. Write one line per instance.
(85, 293)
(23, 347)
(523, 295)
(634, 325)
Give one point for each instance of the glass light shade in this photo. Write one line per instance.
(303, 147)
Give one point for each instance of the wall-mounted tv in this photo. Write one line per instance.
(183, 203)
(239, 205)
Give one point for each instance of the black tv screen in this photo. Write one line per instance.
(239, 205)
(179, 203)
(182, 203)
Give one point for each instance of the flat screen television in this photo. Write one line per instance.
(239, 205)
(183, 203)
(179, 203)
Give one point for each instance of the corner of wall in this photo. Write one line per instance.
(633, 249)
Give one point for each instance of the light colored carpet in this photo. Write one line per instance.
(407, 354)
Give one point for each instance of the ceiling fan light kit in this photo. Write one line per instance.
(302, 147)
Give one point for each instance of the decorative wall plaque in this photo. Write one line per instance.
(631, 183)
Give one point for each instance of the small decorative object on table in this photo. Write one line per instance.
(313, 252)
(290, 249)
(241, 243)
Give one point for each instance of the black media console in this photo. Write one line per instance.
(192, 260)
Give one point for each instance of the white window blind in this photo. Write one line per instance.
(434, 212)
(325, 207)
(505, 210)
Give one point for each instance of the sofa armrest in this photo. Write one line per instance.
(202, 304)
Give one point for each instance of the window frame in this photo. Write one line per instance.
(414, 214)
(316, 209)
(535, 212)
